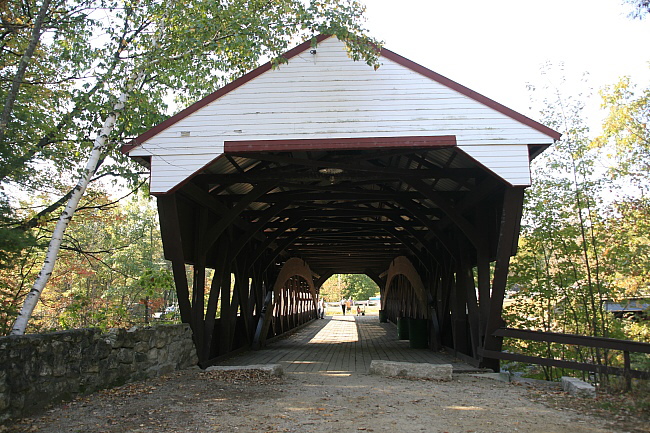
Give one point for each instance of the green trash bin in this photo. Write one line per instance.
(383, 316)
(418, 335)
(403, 328)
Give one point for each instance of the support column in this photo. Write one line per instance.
(508, 237)
(458, 315)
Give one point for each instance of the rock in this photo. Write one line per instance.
(271, 369)
(411, 369)
(577, 387)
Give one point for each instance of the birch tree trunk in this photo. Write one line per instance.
(99, 146)
(22, 67)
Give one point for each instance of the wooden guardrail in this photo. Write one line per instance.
(626, 346)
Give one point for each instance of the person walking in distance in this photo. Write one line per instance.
(344, 305)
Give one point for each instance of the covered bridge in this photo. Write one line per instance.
(287, 176)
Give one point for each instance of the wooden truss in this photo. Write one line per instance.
(427, 222)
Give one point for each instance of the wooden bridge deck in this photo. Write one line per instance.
(342, 344)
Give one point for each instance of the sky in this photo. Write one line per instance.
(496, 47)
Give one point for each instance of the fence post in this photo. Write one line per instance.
(627, 370)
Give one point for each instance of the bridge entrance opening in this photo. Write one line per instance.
(419, 222)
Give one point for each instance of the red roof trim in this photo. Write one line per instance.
(469, 93)
(338, 143)
(216, 95)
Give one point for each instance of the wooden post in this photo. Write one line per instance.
(472, 308)
(627, 367)
(213, 299)
(173, 249)
(483, 278)
(508, 235)
(459, 317)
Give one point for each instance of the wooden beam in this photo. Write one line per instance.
(483, 281)
(283, 175)
(422, 216)
(198, 280)
(321, 280)
(270, 239)
(282, 245)
(258, 226)
(227, 218)
(458, 312)
(216, 290)
(452, 212)
(318, 164)
(200, 197)
(352, 212)
(342, 194)
(173, 248)
(510, 218)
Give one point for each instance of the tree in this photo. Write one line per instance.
(34, 38)
(355, 286)
(585, 239)
(110, 273)
(359, 287)
(155, 46)
(559, 269)
(36, 77)
(626, 129)
(332, 290)
(641, 8)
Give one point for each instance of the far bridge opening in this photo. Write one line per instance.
(323, 166)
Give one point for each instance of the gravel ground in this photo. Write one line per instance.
(197, 401)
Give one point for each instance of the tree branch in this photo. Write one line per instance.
(22, 68)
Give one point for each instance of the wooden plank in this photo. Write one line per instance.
(571, 365)
(583, 340)
(339, 144)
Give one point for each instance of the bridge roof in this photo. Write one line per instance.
(323, 100)
(326, 159)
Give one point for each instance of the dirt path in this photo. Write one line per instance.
(196, 401)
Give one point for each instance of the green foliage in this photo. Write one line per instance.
(91, 48)
(584, 239)
(89, 52)
(155, 281)
(355, 286)
(626, 128)
(12, 240)
(110, 272)
(359, 287)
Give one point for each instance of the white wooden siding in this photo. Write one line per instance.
(327, 95)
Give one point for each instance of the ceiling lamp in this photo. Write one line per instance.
(330, 171)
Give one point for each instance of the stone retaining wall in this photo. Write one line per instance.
(39, 369)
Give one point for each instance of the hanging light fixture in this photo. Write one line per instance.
(330, 171)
